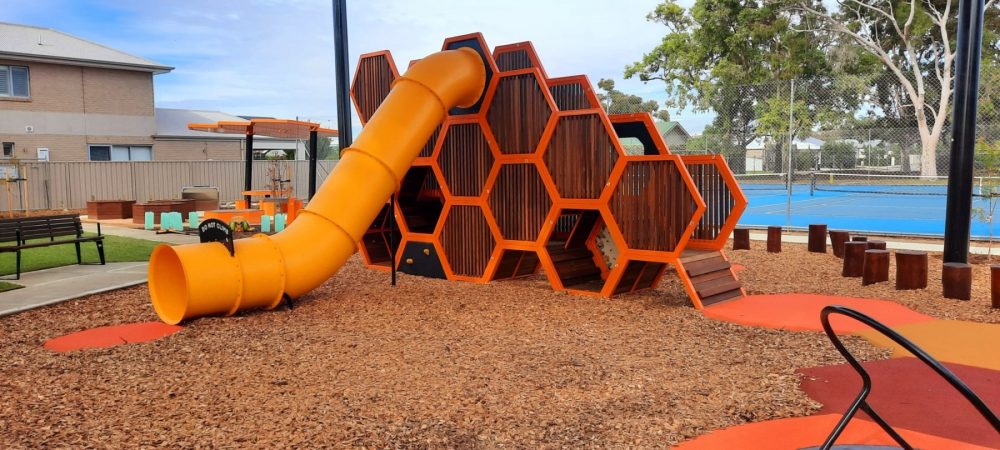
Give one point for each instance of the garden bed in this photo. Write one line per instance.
(430, 363)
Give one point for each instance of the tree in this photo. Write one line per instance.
(839, 155)
(913, 40)
(988, 167)
(618, 102)
(729, 56)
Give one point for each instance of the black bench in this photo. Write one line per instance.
(15, 234)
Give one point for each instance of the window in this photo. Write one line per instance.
(121, 153)
(14, 82)
(8, 149)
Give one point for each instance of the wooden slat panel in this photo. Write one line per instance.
(519, 202)
(652, 205)
(374, 79)
(580, 156)
(518, 114)
(467, 240)
(465, 159)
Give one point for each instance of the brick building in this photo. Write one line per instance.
(64, 98)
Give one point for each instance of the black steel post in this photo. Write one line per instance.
(958, 212)
(392, 236)
(248, 167)
(343, 74)
(313, 156)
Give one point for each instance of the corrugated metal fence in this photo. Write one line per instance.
(58, 185)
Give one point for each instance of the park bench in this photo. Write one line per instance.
(15, 235)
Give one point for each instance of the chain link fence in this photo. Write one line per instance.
(845, 151)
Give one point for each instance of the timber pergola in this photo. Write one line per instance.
(277, 128)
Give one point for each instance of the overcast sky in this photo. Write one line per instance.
(275, 57)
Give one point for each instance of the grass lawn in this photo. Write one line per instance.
(5, 286)
(116, 249)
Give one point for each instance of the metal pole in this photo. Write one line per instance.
(791, 168)
(392, 236)
(248, 167)
(313, 156)
(343, 75)
(958, 212)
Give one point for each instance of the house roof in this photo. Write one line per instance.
(174, 123)
(29, 43)
(665, 128)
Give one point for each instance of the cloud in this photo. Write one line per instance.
(276, 58)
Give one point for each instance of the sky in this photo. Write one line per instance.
(276, 58)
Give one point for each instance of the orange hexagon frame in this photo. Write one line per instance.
(740, 202)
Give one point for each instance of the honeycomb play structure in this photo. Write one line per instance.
(535, 177)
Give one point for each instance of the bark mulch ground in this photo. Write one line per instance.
(797, 270)
(428, 364)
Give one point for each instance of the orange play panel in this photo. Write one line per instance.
(111, 336)
(804, 432)
(910, 395)
(800, 312)
(955, 341)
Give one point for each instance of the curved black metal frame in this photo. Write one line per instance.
(861, 403)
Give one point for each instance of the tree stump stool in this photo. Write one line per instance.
(837, 240)
(911, 270)
(876, 268)
(774, 239)
(859, 238)
(995, 284)
(817, 238)
(876, 245)
(956, 278)
(741, 239)
(854, 259)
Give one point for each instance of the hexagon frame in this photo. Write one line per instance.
(528, 48)
(606, 220)
(357, 75)
(491, 263)
(588, 91)
(550, 131)
(740, 201)
(517, 244)
(450, 122)
(645, 120)
(546, 97)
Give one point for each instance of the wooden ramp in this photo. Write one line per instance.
(708, 277)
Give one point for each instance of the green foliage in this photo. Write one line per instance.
(988, 167)
(326, 149)
(618, 102)
(805, 160)
(839, 155)
(116, 249)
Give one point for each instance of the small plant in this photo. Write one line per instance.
(988, 163)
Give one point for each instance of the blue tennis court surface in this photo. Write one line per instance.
(854, 210)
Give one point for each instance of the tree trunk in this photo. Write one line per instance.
(928, 155)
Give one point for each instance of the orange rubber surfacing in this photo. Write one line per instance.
(955, 341)
(800, 312)
(111, 336)
(805, 432)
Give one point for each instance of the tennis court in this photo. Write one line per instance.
(870, 204)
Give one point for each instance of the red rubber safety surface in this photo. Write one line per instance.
(910, 395)
(804, 432)
(800, 312)
(111, 336)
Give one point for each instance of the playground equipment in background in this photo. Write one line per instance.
(499, 171)
(537, 178)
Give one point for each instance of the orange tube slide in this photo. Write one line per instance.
(195, 280)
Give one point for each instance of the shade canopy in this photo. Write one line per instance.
(278, 128)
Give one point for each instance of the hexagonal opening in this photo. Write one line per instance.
(467, 240)
(372, 82)
(635, 134)
(638, 275)
(465, 159)
(652, 204)
(380, 239)
(580, 156)
(516, 264)
(519, 201)
(517, 56)
(518, 112)
(420, 200)
(475, 42)
(575, 251)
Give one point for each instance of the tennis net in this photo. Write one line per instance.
(887, 184)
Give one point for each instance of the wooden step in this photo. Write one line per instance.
(693, 257)
(717, 287)
(728, 295)
(706, 266)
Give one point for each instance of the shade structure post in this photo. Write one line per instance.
(958, 212)
(313, 149)
(342, 74)
(248, 165)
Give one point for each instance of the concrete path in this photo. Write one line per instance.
(138, 233)
(58, 284)
(799, 238)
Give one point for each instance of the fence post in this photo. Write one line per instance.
(791, 167)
